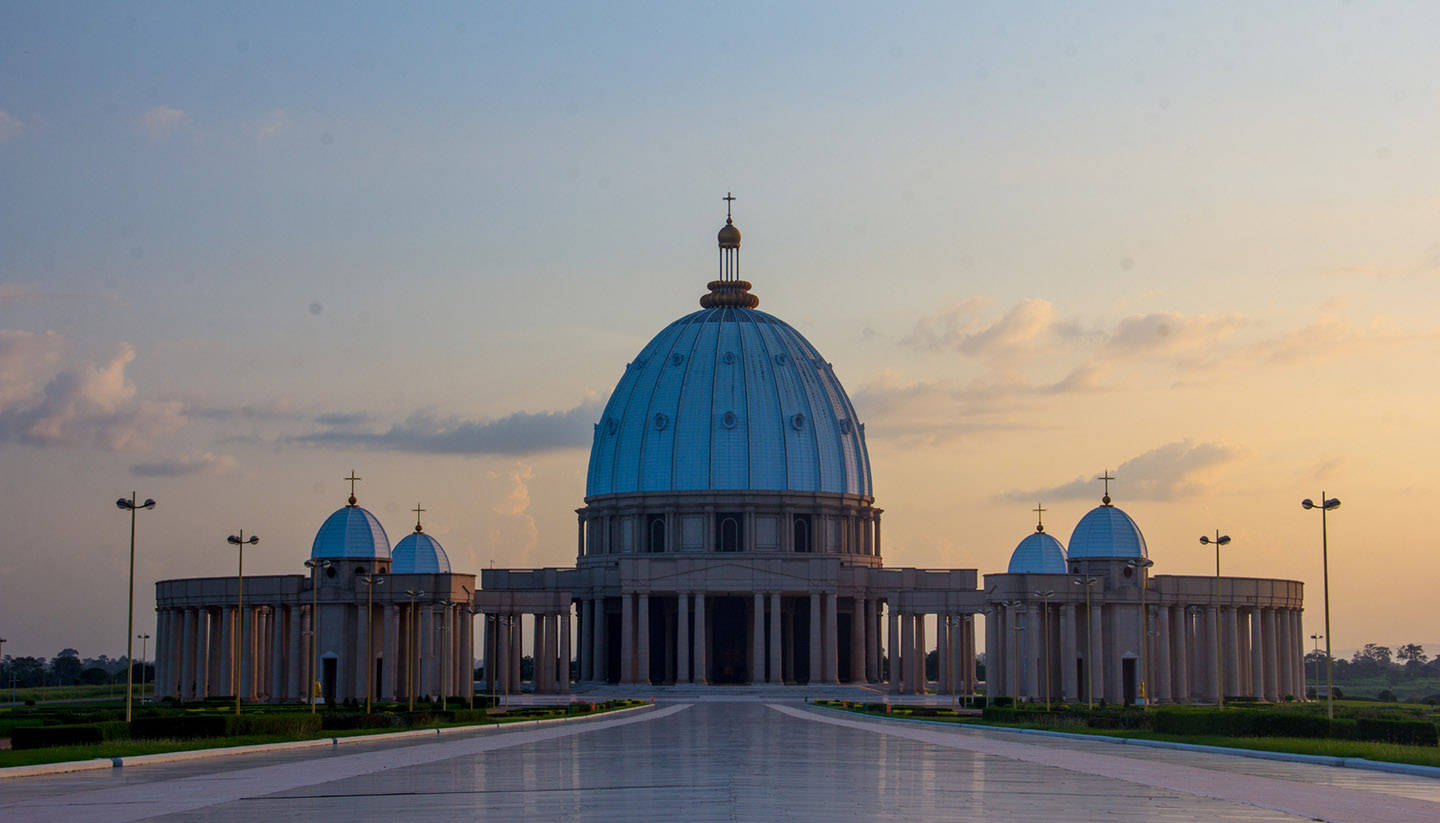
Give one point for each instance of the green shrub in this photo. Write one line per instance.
(338, 721)
(181, 727)
(470, 715)
(41, 737)
(1405, 732)
(291, 724)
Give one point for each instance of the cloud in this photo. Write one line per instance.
(161, 122)
(958, 328)
(513, 434)
(1163, 473)
(271, 125)
(186, 465)
(1170, 334)
(1332, 337)
(26, 360)
(279, 409)
(513, 535)
(10, 126)
(342, 419)
(87, 404)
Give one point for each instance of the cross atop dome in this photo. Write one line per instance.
(417, 510)
(352, 478)
(729, 290)
(1107, 477)
(1039, 517)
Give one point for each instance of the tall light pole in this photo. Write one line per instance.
(1088, 581)
(1144, 565)
(1326, 504)
(315, 564)
(370, 580)
(129, 504)
(1220, 540)
(238, 638)
(445, 651)
(1045, 638)
(471, 611)
(1316, 639)
(144, 649)
(414, 656)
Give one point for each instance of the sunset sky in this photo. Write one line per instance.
(247, 249)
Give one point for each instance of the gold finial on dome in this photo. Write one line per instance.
(417, 510)
(729, 290)
(1039, 517)
(352, 478)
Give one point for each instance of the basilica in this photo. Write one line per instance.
(729, 536)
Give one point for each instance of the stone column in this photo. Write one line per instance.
(425, 680)
(1297, 626)
(643, 630)
(1097, 649)
(245, 634)
(942, 654)
(390, 651)
(776, 644)
(922, 650)
(627, 638)
(993, 664)
(1283, 638)
(683, 642)
(564, 661)
(1272, 683)
(857, 640)
(1162, 664)
(1179, 655)
(872, 641)
(545, 656)
(1232, 652)
(955, 655)
(832, 638)
(597, 648)
(1069, 685)
(757, 639)
(295, 654)
(502, 656)
(215, 651)
(277, 653)
(702, 676)
(537, 654)
(894, 646)
(1034, 649)
(906, 676)
(187, 654)
(1255, 687)
(587, 640)
(816, 665)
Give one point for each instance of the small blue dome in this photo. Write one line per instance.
(1038, 554)
(1107, 532)
(419, 553)
(351, 533)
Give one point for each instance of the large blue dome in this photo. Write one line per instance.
(1038, 554)
(1107, 532)
(419, 553)
(351, 533)
(726, 399)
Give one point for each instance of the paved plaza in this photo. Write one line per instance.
(760, 759)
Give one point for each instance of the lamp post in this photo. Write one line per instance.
(1045, 638)
(370, 580)
(237, 641)
(129, 504)
(1015, 629)
(1220, 540)
(1088, 581)
(447, 637)
(315, 564)
(471, 611)
(1316, 639)
(144, 650)
(502, 629)
(1144, 565)
(1326, 504)
(414, 657)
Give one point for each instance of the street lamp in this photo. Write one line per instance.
(129, 504)
(502, 629)
(447, 637)
(471, 611)
(144, 649)
(1220, 540)
(415, 646)
(370, 580)
(1316, 639)
(1045, 638)
(315, 564)
(1088, 581)
(1326, 504)
(238, 640)
(1144, 565)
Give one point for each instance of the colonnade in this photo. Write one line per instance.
(424, 649)
(1064, 652)
(551, 641)
(954, 653)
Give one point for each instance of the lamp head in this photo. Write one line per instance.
(123, 503)
(150, 503)
(253, 540)
(1307, 503)
(1224, 539)
(1332, 504)
(234, 541)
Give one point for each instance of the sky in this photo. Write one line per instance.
(244, 250)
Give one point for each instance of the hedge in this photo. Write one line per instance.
(290, 725)
(178, 728)
(360, 721)
(41, 737)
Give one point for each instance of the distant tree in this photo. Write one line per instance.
(1385, 696)
(1412, 655)
(94, 676)
(1376, 653)
(27, 671)
(66, 667)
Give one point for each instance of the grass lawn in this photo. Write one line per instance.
(1387, 752)
(41, 693)
(132, 748)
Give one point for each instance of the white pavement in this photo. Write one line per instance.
(746, 760)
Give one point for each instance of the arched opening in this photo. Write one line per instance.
(801, 530)
(728, 537)
(657, 534)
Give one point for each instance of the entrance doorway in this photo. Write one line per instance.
(1127, 676)
(327, 679)
(729, 637)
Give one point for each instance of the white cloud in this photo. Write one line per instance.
(1170, 334)
(959, 328)
(271, 125)
(161, 122)
(10, 126)
(207, 463)
(26, 360)
(512, 533)
(1163, 473)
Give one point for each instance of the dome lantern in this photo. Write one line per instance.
(729, 290)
